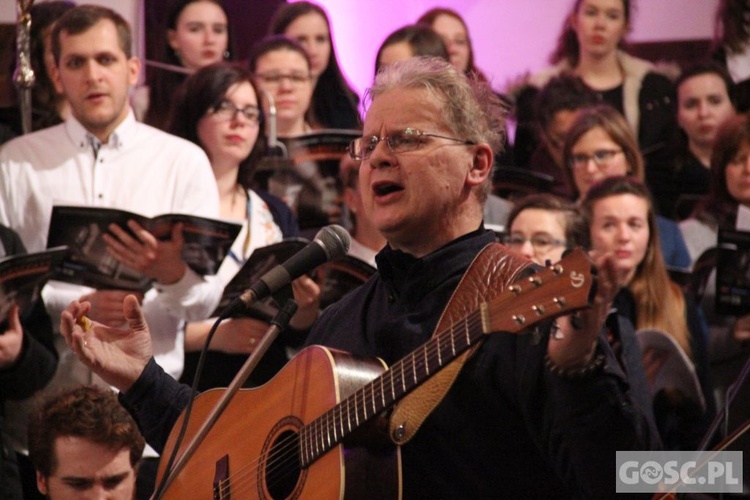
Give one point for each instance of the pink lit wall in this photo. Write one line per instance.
(510, 37)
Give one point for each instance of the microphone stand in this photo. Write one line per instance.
(276, 172)
(24, 74)
(167, 67)
(277, 325)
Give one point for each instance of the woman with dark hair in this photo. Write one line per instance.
(197, 35)
(590, 46)
(600, 144)
(731, 46)
(49, 107)
(555, 107)
(729, 340)
(334, 103)
(218, 109)
(705, 99)
(729, 182)
(455, 34)
(622, 221)
(409, 41)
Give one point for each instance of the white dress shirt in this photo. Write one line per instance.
(140, 169)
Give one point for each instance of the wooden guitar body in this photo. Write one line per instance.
(253, 451)
(308, 432)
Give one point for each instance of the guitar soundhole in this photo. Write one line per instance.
(282, 470)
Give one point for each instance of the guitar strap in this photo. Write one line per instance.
(490, 272)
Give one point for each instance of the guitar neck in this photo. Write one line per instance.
(559, 289)
(329, 429)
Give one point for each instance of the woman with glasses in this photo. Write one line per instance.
(283, 73)
(282, 69)
(218, 109)
(542, 226)
(620, 217)
(554, 108)
(601, 144)
(334, 103)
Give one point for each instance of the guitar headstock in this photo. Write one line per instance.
(561, 288)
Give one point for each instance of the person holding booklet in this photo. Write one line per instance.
(102, 157)
(529, 415)
(730, 192)
(27, 363)
(282, 70)
(218, 109)
(729, 197)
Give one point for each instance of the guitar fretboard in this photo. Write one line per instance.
(329, 429)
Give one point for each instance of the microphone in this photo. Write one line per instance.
(331, 242)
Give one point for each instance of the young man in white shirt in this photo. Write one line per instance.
(102, 157)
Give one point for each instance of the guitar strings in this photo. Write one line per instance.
(280, 454)
(280, 457)
(286, 452)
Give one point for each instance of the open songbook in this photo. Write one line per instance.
(335, 278)
(677, 372)
(307, 176)
(207, 242)
(22, 277)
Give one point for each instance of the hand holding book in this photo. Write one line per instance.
(22, 278)
(11, 338)
(160, 260)
(117, 249)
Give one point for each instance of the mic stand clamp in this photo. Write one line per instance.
(279, 322)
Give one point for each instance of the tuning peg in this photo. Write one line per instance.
(560, 301)
(538, 309)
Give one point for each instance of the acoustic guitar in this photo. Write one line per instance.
(312, 431)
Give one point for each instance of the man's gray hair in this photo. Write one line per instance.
(472, 110)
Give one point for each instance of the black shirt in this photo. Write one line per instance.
(507, 428)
